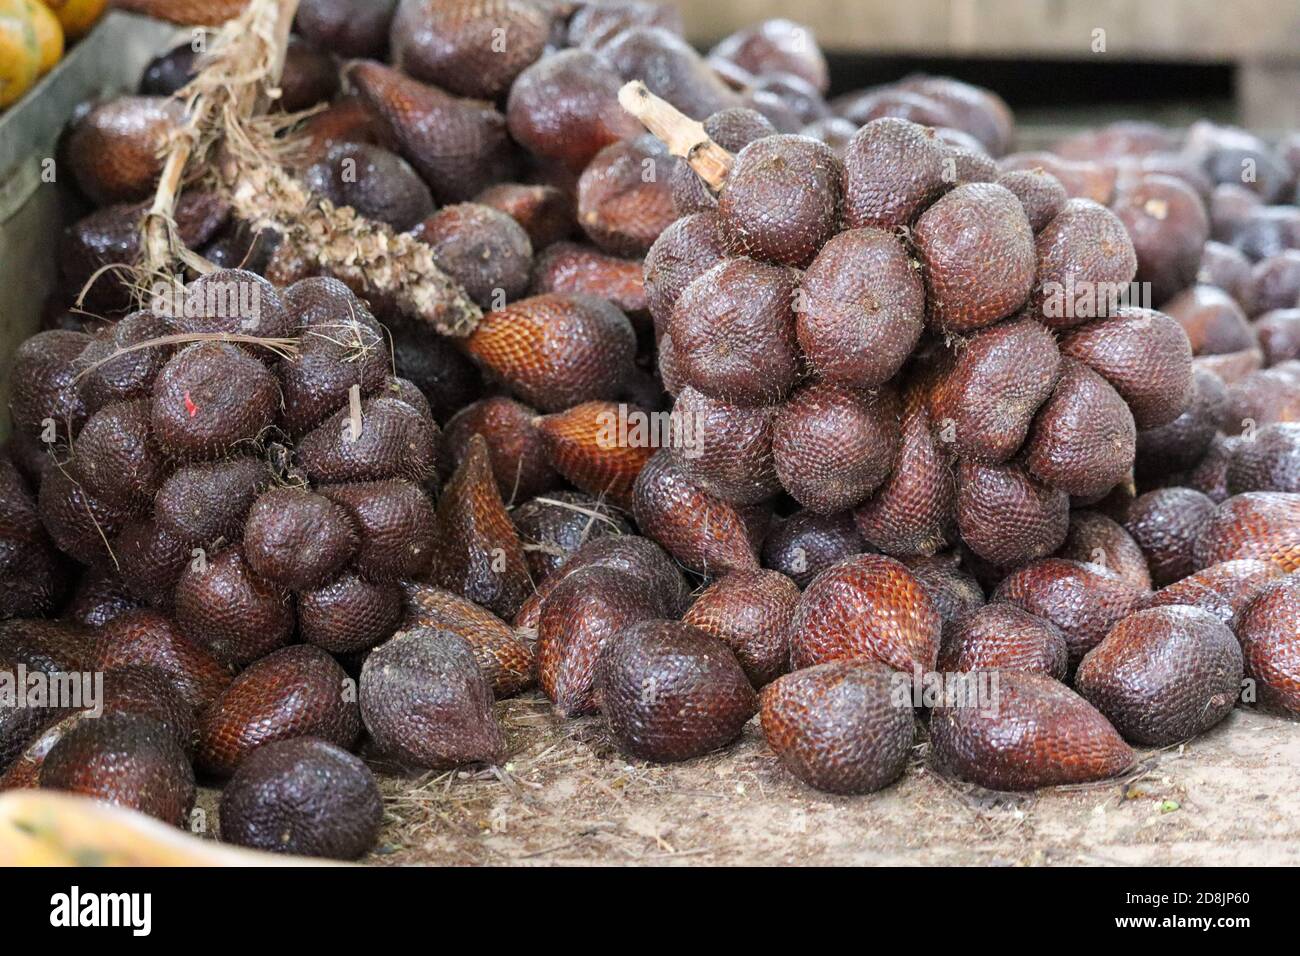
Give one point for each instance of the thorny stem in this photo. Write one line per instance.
(682, 135)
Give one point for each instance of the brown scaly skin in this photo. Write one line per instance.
(865, 606)
(1168, 224)
(147, 638)
(348, 614)
(514, 445)
(546, 213)
(684, 251)
(1101, 540)
(117, 460)
(625, 196)
(573, 268)
(733, 129)
(1182, 443)
(230, 611)
(555, 525)
(1041, 194)
(1165, 523)
(200, 503)
(1003, 637)
(298, 539)
(1006, 516)
(115, 148)
(1039, 734)
(1086, 243)
(396, 521)
(397, 440)
(1271, 462)
(483, 249)
(837, 727)
(583, 445)
(806, 543)
(1163, 675)
(750, 611)
(1269, 631)
(893, 170)
(724, 447)
(1254, 525)
(671, 692)
(1223, 589)
(953, 590)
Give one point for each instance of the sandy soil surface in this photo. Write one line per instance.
(567, 796)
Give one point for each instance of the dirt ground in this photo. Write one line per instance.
(567, 796)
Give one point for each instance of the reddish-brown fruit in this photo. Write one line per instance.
(834, 446)
(806, 543)
(555, 525)
(1212, 319)
(1146, 357)
(378, 184)
(297, 539)
(1268, 630)
(1168, 225)
(733, 129)
(1223, 589)
(1085, 261)
(1279, 335)
(211, 398)
(458, 146)
(865, 606)
(725, 448)
(1006, 516)
(425, 701)
(1084, 600)
(980, 112)
(1274, 283)
(129, 760)
(116, 457)
(839, 727)
(116, 147)
(198, 504)
(476, 550)
(1258, 524)
(298, 691)
(700, 530)
(1165, 523)
(684, 251)
(348, 28)
(44, 376)
(670, 68)
(1163, 675)
(776, 46)
(150, 560)
(594, 25)
(625, 196)
(348, 614)
(568, 267)
(987, 394)
(953, 590)
(1003, 637)
(750, 612)
(78, 523)
(234, 301)
(230, 611)
(861, 308)
(146, 638)
(128, 375)
(468, 47)
(396, 524)
(1089, 180)
(671, 692)
(515, 446)
(591, 446)
(486, 251)
(1095, 538)
(1180, 445)
(506, 661)
(1041, 734)
(396, 440)
(1270, 461)
(1225, 267)
(1040, 193)
(546, 213)
(556, 350)
(977, 254)
(1262, 398)
(100, 596)
(733, 332)
(1083, 440)
(893, 170)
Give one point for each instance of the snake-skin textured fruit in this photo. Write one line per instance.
(396, 524)
(44, 376)
(476, 550)
(578, 618)
(953, 590)
(725, 448)
(298, 539)
(514, 445)
(806, 543)
(146, 638)
(979, 112)
(568, 267)
(483, 249)
(1083, 599)
(555, 351)
(130, 374)
(595, 24)
(458, 46)
(125, 759)
(684, 251)
(546, 213)
(378, 184)
(506, 660)
(1003, 637)
(625, 196)
(348, 614)
(976, 249)
(1224, 589)
(1040, 734)
(347, 28)
(584, 445)
(1274, 283)
(914, 512)
(1083, 439)
(565, 108)
(1268, 231)
(733, 332)
(349, 119)
(699, 529)
(834, 446)
(298, 691)
(1165, 523)
(115, 456)
(1230, 205)
(436, 367)
(776, 46)
(115, 148)
(235, 301)
(838, 727)
(1224, 267)
(315, 385)
(79, 524)
(1040, 193)
(198, 504)
(1279, 335)
(671, 692)
(210, 398)
(1082, 179)
(149, 560)
(862, 107)
(555, 525)
(865, 606)
(1085, 260)
(396, 440)
(732, 129)
(1268, 629)
(750, 612)
(781, 201)
(893, 170)
(309, 76)
(230, 611)
(1180, 445)
(49, 646)
(1168, 225)
(1008, 517)
(1258, 524)
(1094, 537)
(861, 308)
(1212, 319)
(1270, 461)
(1231, 367)
(31, 577)
(670, 68)
(992, 386)
(459, 146)
(303, 796)
(1262, 398)
(425, 701)
(1163, 675)
(1146, 357)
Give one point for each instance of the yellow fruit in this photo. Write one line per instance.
(49, 35)
(76, 16)
(20, 52)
